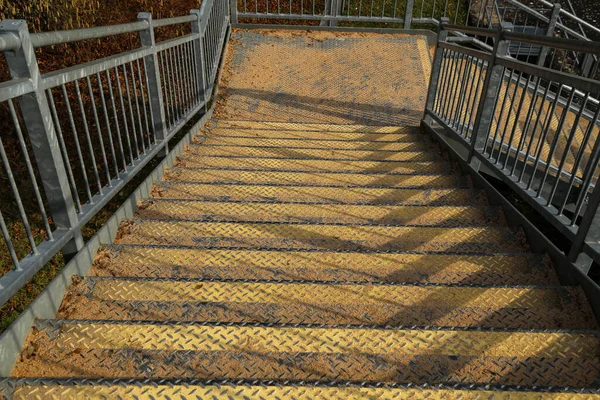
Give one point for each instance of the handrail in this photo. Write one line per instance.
(523, 123)
(94, 126)
(10, 42)
(549, 41)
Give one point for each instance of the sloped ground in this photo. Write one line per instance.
(308, 260)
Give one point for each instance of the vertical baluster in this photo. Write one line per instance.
(557, 134)
(77, 144)
(107, 123)
(98, 130)
(125, 124)
(137, 108)
(63, 150)
(116, 118)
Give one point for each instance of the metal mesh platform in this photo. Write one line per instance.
(324, 77)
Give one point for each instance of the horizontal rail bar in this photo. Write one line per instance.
(320, 17)
(470, 30)
(75, 35)
(465, 50)
(15, 88)
(8, 41)
(574, 81)
(14, 280)
(589, 47)
(57, 78)
(173, 21)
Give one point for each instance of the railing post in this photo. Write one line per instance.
(159, 119)
(408, 14)
(197, 27)
(22, 64)
(436, 69)
(487, 102)
(233, 11)
(549, 32)
(333, 8)
(589, 231)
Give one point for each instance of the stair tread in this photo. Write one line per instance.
(322, 213)
(129, 299)
(414, 163)
(285, 153)
(410, 135)
(363, 145)
(80, 349)
(316, 178)
(322, 127)
(322, 236)
(134, 261)
(268, 390)
(316, 194)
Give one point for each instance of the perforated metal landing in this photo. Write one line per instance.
(337, 78)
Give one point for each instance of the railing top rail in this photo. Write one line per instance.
(11, 42)
(175, 20)
(75, 35)
(470, 30)
(590, 47)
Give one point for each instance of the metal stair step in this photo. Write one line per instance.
(164, 262)
(364, 304)
(318, 127)
(234, 152)
(315, 178)
(321, 236)
(317, 194)
(318, 144)
(171, 389)
(62, 349)
(409, 135)
(414, 163)
(321, 213)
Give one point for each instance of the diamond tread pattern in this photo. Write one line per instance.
(321, 213)
(72, 349)
(162, 262)
(326, 304)
(267, 392)
(285, 153)
(317, 236)
(320, 135)
(319, 195)
(270, 177)
(410, 163)
(392, 272)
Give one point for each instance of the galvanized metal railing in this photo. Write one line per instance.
(85, 131)
(534, 127)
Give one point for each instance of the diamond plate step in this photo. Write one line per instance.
(299, 154)
(410, 165)
(408, 136)
(316, 179)
(319, 144)
(161, 262)
(65, 349)
(316, 194)
(291, 126)
(321, 213)
(327, 304)
(330, 237)
(124, 389)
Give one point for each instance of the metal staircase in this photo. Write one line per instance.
(315, 237)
